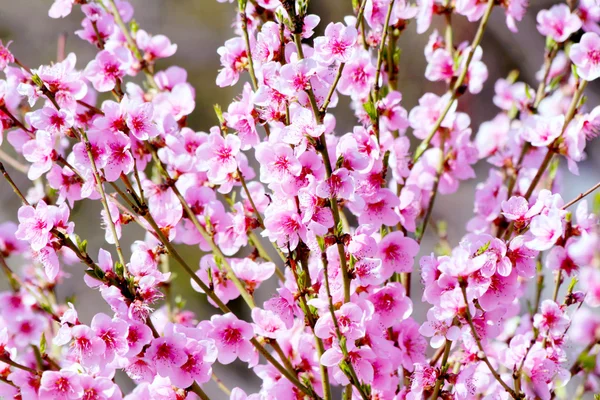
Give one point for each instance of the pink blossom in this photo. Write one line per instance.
(233, 59)
(61, 8)
(60, 385)
(552, 320)
(107, 68)
(397, 253)
(586, 56)
(6, 56)
(167, 352)
(35, 225)
(558, 22)
(40, 152)
(50, 120)
(232, 338)
(357, 77)
(154, 47)
(113, 331)
(379, 209)
(440, 66)
(391, 304)
(541, 131)
(337, 44)
(252, 273)
(439, 331)
(350, 320)
(139, 120)
(544, 231)
(267, 323)
(218, 156)
(200, 357)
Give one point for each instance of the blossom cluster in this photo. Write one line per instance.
(334, 221)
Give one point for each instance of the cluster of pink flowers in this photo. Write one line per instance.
(333, 220)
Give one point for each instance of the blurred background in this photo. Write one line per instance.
(199, 27)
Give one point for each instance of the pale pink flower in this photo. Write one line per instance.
(154, 47)
(107, 68)
(232, 338)
(267, 323)
(542, 131)
(544, 231)
(337, 45)
(35, 225)
(119, 158)
(113, 331)
(139, 120)
(397, 253)
(198, 367)
(558, 22)
(167, 352)
(277, 162)
(252, 273)
(218, 156)
(439, 330)
(60, 385)
(6, 56)
(551, 320)
(358, 76)
(441, 66)
(586, 56)
(350, 320)
(391, 304)
(53, 121)
(61, 8)
(40, 152)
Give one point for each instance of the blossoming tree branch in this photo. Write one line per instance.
(335, 220)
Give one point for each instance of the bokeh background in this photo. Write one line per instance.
(199, 27)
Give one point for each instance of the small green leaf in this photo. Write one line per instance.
(554, 167)
(134, 27)
(321, 242)
(37, 80)
(574, 71)
(370, 109)
(596, 204)
(550, 43)
(119, 269)
(483, 249)
(43, 344)
(219, 113)
(587, 361)
(513, 76)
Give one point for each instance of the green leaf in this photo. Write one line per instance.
(37, 80)
(513, 76)
(483, 248)
(119, 269)
(528, 92)
(554, 167)
(587, 361)
(339, 162)
(550, 43)
(219, 113)
(134, 27)
(43, 344)
(596, 204)
(397, 55)
(180, 302)
(574, 71)
(321, 242)
(370, 109)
